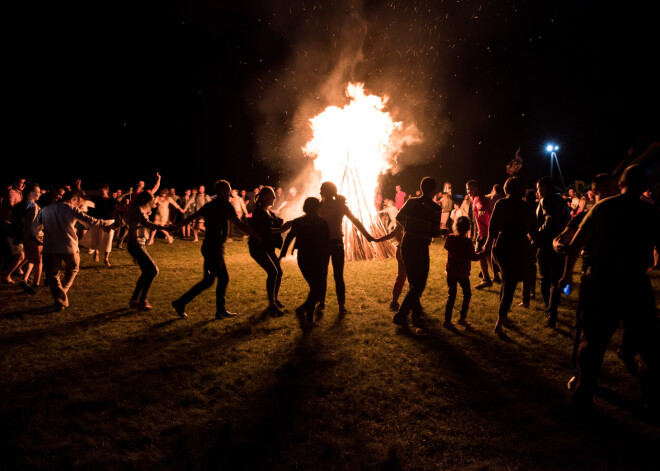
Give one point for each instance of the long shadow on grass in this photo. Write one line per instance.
(496, 381)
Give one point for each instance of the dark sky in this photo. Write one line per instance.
(207, 90)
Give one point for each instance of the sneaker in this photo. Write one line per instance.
(180, 309)
(394, 306)
(224, 314)
(523, 304)
(144, 305)
(484, 284)
(400, 320)
(27, 288)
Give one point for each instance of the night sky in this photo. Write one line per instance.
(207, 90)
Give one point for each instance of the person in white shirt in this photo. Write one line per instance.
(61, 243)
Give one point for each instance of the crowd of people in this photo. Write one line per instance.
(512, 233)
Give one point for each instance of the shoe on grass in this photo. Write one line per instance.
(180, 309)
(27, 288)
(484, 284)
(144, 305)
(275, 311)
(400, 320)
(224, 314)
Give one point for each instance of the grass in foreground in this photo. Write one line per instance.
(103, 386)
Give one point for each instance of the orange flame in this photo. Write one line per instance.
(351, 146)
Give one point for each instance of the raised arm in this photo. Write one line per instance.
(157, 185)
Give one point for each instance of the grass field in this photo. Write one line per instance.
(102, 386)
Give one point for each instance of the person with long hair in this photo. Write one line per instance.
(269, 228)
(512, 226)
(313, 243)
(333, 209)
(137, 220)
(217, 214)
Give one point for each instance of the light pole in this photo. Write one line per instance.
(552, 148)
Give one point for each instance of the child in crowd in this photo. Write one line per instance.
(313, 244)
(460, 254)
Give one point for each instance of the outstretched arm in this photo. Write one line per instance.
(395, 232)
(285, 247)
(240, 224)
(356, 222)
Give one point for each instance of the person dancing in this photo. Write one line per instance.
(313, 244)
(33, 237)
(511, 228)
(162, 204)
(420, 218)
(137, 220)
(268, 227)
(333, 209)
(217, 215)
(401, 276)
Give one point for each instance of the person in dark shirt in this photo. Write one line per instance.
(552, 215)
(603, 185)
(420, 218)
(266, 237)
(313, 244)
(511, 228)
(217, 215)
(96, 238)
(460, 254)
(622, 231)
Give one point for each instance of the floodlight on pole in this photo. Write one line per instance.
(553, 148)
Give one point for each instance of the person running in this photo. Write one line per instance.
(268, 228)
(621, 232)
(333, 209)
(420, 218)
(217, 214)
(61, 243)
(460, 254)
(313, 244)
(401, 276)
(511, 229)
(137, 221)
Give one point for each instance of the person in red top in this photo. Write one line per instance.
(460, 254)
(482, 211)
(399, 198)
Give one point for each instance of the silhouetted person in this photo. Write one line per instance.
(460, 254)
(603, 186)
(137, 222)
(216, 214)
(333, 209)
(265, 238)
(622, 231)
(552, 215)
(420, 218)
(509, 234)
(313, 244)
(400, 281)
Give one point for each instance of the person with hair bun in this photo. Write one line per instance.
(216, 214)
(137, 220)
(333, 209)
(268, 228)
(313, 244)
(512, 226)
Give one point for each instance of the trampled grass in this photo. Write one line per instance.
(106, 387)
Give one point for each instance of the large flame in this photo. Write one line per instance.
(351, 146)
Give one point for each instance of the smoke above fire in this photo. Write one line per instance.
(333, 46)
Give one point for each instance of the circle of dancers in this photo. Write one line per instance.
(512, 233)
